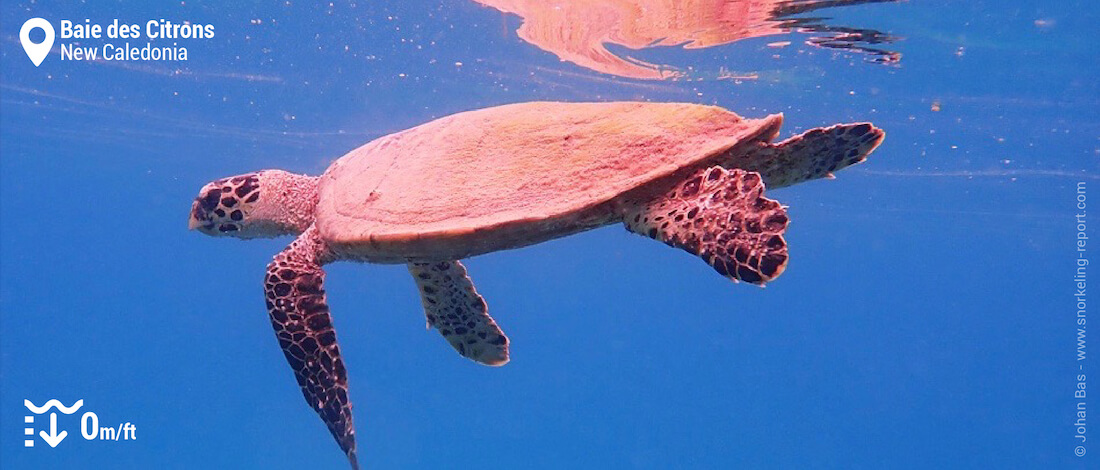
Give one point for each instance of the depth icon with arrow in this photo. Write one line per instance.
(53, 438)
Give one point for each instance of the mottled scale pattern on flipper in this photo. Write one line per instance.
(816, 153)
(453, 307)
(300, 315)
(723, 217)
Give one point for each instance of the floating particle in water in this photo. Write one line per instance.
(936, 106)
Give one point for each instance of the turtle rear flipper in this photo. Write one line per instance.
(453, 306)
(816, 153)
(722, 216)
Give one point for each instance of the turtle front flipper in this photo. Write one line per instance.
(453, 306)
(296, 303)
(723, 217)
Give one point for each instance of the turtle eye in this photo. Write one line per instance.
(217, 211)
(210, 201)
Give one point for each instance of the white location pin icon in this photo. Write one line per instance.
(37, 52)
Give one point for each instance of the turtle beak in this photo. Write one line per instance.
(195, 220)
(199, 218)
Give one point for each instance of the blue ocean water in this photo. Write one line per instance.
(927, 319)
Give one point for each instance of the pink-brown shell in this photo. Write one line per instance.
(512, 175)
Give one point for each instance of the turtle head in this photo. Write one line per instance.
(262, 204)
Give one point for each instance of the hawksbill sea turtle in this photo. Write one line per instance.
(688, 175)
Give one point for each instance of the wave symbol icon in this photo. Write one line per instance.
(53, 403)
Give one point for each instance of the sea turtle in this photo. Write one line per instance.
(688, 175)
